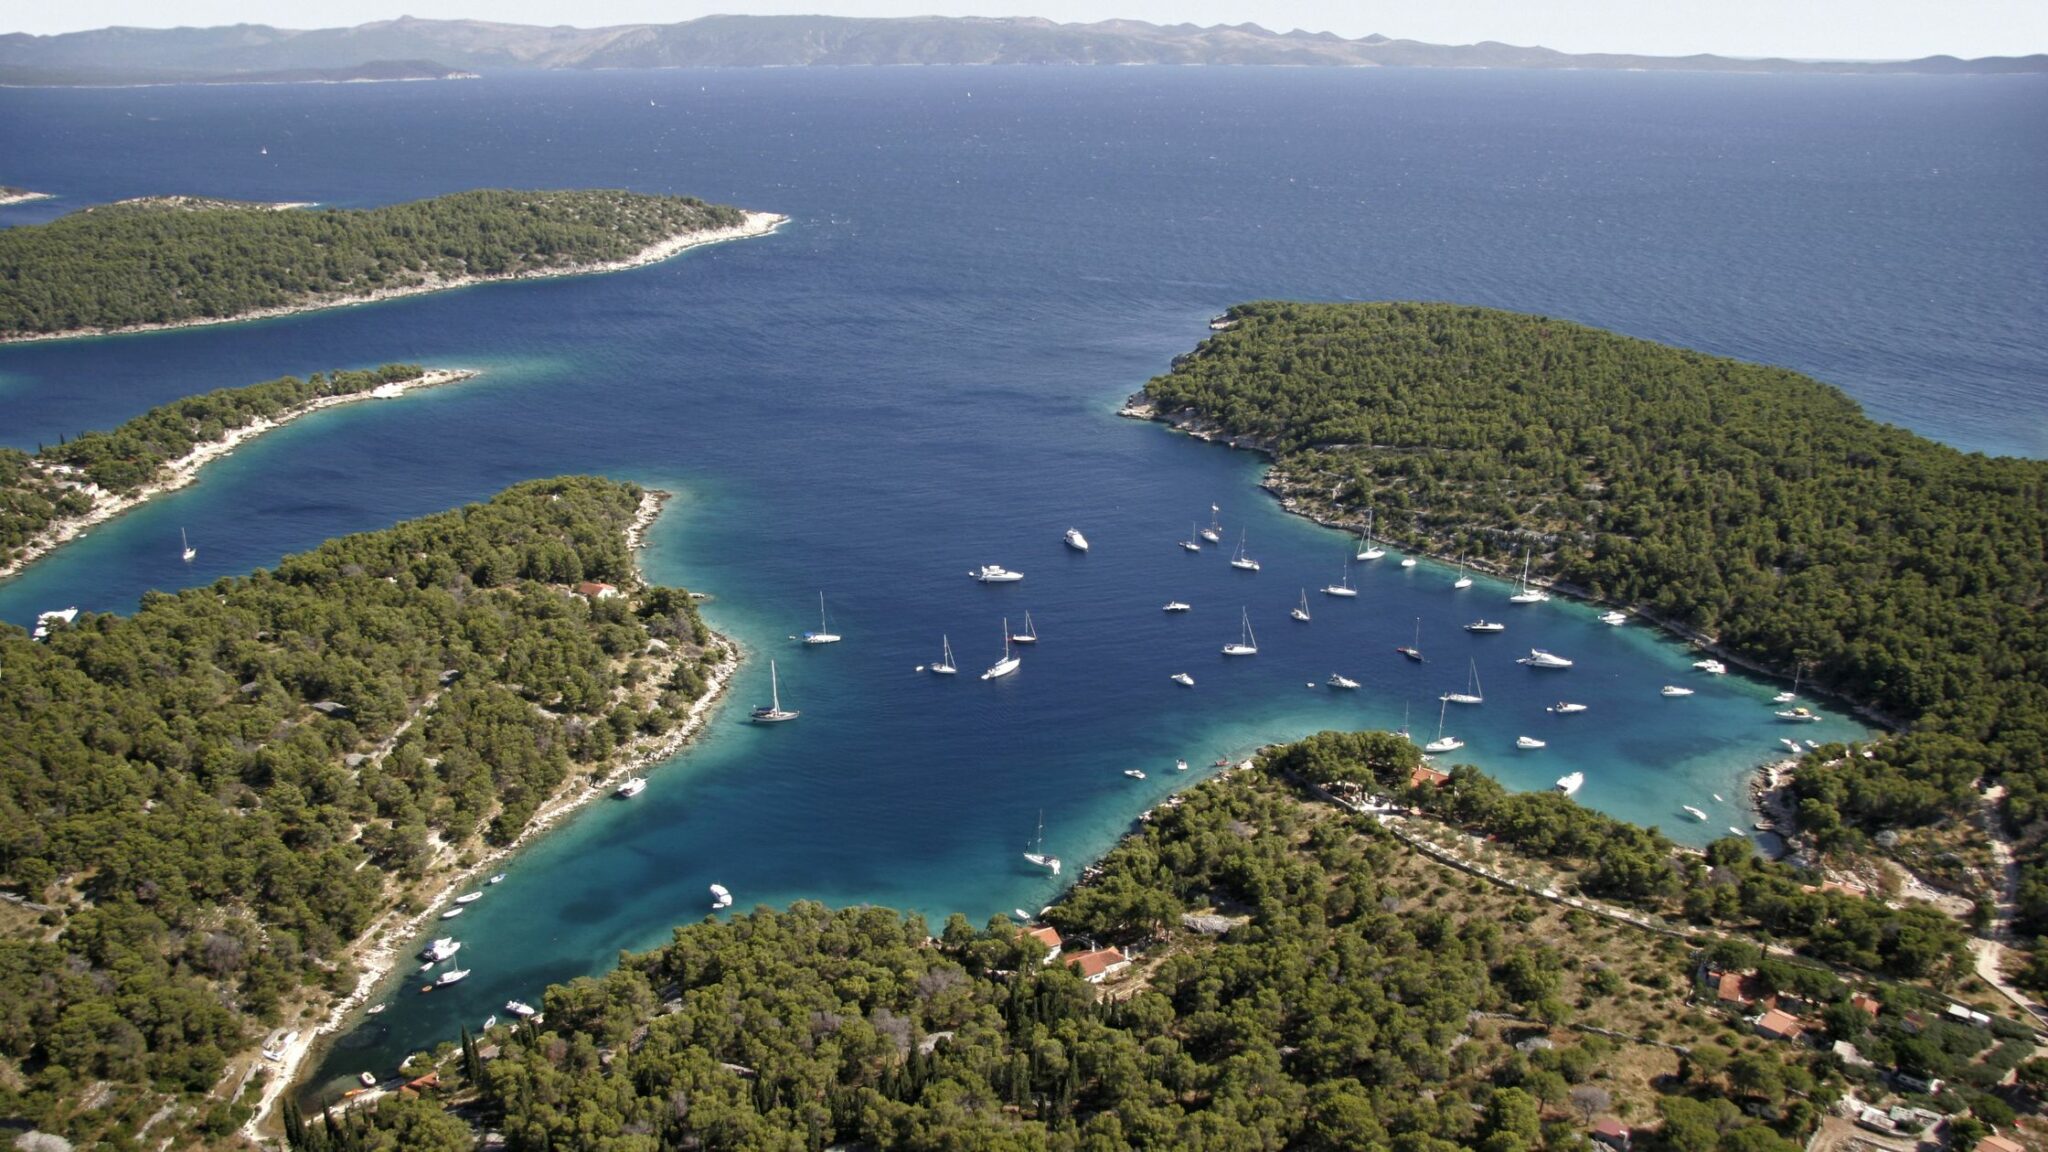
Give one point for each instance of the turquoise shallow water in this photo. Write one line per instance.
(919, 375)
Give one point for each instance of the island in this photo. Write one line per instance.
(1749, 507)
(1305, 952)
(63, 489)
(149, 264)
(19, 196)
(221, 816)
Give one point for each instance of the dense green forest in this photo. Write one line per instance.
(1357, 997)
(164, 261)
(1747, 502)
(36, 490)
(204, 802)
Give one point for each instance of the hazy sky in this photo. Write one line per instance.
(1843, 29)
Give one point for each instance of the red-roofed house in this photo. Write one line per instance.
(1100, 964)
(1734, 988)
(593, 590)
(1612, 1133)
(1050, 937)
(1424, 774)
(1780, 1025)
(1869, 1004)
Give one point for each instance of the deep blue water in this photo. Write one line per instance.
(920, 374)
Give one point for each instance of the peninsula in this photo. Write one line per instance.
(19, 196)
(219, 815)
(147, 264)
(1753, 507)
(64, 489)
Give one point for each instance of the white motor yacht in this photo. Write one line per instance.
(1616, 619)
(1076, 541)
(1530, 742)
(1538, 658)
(1183, 679)
(632, 788)
(1565, 708)
(1174, 606)
(1675, 690)
(1338, 680)
(1484, 625)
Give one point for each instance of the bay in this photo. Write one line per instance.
(919, 375)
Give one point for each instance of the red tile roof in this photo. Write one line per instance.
(1099, 963)
(1780, 1024)
(1047, 935)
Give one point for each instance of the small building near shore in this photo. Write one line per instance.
(1100, 964)
(596, 590)
(1423, 775)
(1050, 937)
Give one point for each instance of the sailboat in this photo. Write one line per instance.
(1301, 613)
(1781, 698)
(773, 712)
(1473, 694)
(1037, 855)
(945, 665)
(1414, 651)
(1463, 581)
(1030, 633)
(1241, 560)
(1342, 588)
(1528, 595)
(1442, 743)
(1193, 543)
(1214, 532)
(824, 634)
(1247, 644)
(185, 546)
(1366, 551)
(1008, 663)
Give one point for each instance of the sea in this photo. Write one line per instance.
(920, 374)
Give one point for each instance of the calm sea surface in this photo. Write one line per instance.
(919, 375)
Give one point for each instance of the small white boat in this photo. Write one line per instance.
(996, 574)
(1338, 680)
(1790, 744)
(185, 547)
(1240, 560)
(1734, 831)
(1182, 678)
(1799, 716)
(441, 949)
(1193, 543)
(1538, 658)
(1813, 747)
(824, 634)
(1527, 594)
(490, 1022)
(451, 976)
(1484, 625)
(1565, 708)
(499, 878)
(1247, 643)
(1008, 663)
(1135, 773)
(452, 913)
(1214, 532)
(1530, 742)
(1718, 800)
(1463, 581)
(1675, 690)
(1180, 765)
(1570, 784)
(1407, 561)
(1038, 855)
(1030, 633)
(1076, 541)
(1711, 667)
(632, 788)
(1473, 693)
(944, 666)
(520, 1008)
(772, 712)
(45, 619)
(721, 897)
(1694, 812)
(367, 1079)
(1174, 606)
(375, 1009)
(1301, 612)
(469, 897)
(1442, 743)
(1614, 618)
(1367, 550)
(1021, 914)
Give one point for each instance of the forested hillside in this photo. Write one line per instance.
(1336, 991)
(52, 484)
(1748, 502)
(203, 803)
(169, 260)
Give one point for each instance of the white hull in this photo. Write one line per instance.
(1564, 709)
(1182, 678)
(1570, 785)
(1673, 690)
(1461, 698)
(821, 638)
(1300, 614)
(1340, 590)
(1694, 813)
(1615, 619)
(1049, 863)
(1212, 536)
(1529, 597)
(996, 574)
(1407, 561)
(1444, 744)
(1371, 553)
(1076, 541)
(1532, 742)
(1240, 650)
(1462, 582)
(1799, 716)
(1711, 667)
(1003, 667)
(1245, 565)
(1485, 626)
(1345, 682)
(632, 788)
(1538, 658)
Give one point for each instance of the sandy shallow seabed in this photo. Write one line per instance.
(756, 224)
(375, 954)
(185, 469)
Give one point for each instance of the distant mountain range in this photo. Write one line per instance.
(416, 49)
